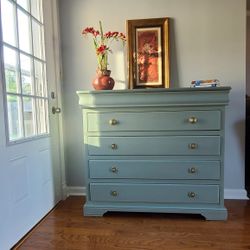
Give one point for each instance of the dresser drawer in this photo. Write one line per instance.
(154, 169)
(165, 145)
(164, 193)
(154, 121)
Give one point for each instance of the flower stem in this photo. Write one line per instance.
(101, 31)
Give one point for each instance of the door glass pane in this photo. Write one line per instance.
(45, 87)
(40, 83)
(11, 70)
(38, 40)
(46, 108)
(42, 116)
(29, 116)
(24, 31)
(24, 66)
(26, 73)
(8, 22)
(14, 117)
(24, 3)
(36, 9)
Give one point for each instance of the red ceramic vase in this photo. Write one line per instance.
(103, 81)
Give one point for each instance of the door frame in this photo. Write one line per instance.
(58, 78)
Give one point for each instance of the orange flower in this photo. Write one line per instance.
(122, 36)
(90, 30)
(108, 34)
(102, 42)
(101, 50)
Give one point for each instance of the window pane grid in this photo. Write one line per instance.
(23, 52)
(36, 12)
(34, 5)
(24, 69)
(27, 116)
(24, 4)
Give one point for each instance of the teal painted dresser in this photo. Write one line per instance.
(155, 150)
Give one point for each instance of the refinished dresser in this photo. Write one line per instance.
(155, 150)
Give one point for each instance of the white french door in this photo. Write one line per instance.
(31, 174)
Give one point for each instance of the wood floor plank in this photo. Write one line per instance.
(67, 228)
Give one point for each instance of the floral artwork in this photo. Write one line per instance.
(102, 42)
(148, 53)
(148, 56)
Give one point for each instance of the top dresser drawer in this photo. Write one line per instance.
(154, 121)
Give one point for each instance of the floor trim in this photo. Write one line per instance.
(235, 194)
(77, 191)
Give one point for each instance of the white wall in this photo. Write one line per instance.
(207, 40)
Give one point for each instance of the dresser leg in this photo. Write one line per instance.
(220, 214)
(92, 211)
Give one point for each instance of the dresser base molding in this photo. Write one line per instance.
(218, 213)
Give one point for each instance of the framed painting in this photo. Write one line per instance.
(148, 53)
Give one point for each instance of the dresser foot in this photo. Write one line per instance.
(93, 211)
(215, 214)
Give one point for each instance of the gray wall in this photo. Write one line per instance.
(207, 40)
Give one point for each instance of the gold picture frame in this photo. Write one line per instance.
(148, 53)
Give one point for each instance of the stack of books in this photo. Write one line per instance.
(205, 83)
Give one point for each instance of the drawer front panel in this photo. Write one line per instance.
(154, 121)
(166, 145)
(154, 169)
(167, 193)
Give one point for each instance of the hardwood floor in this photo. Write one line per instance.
(67, 228)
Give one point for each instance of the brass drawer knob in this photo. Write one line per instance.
(113, 193)
(114, 146)
(193, 145)
(114, 169)
(192, 120)
(191, 194)
(113, 122)
(192, 170)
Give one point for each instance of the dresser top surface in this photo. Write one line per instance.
(154, 90)
(154, 97)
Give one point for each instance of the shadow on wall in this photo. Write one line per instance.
(247, 147)
(239, 126)
(174, 76)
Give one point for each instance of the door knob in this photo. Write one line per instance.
(56, 110)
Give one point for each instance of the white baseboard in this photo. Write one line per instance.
(234, 194)
(77, 191)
